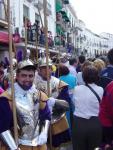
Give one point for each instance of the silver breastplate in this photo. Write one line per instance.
(54, 83)
(28, 114)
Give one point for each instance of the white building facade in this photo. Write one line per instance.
(91, 44)
(30, 9)
(71, 29)
(75, 33)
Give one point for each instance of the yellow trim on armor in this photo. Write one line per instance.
(62, 84)
(60, 126)
(43, 98)
(43, 147)
(7, 95)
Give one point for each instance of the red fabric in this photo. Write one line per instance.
(4, 37)
(106, 107)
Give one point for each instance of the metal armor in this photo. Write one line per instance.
(42, 85)
(54, 92)
(8, 140)
(27, 105)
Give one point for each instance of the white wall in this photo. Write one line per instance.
(52, 18)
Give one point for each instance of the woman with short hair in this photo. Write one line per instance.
(86, 126)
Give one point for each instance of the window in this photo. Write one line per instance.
(25, 12)
(37, 17)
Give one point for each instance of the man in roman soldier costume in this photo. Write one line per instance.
(59, 90)
(33, 114)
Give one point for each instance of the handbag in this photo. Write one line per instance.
(94, 92)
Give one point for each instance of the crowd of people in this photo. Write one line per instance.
(74, 113)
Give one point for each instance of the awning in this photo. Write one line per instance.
(4, 37)
(58, 5)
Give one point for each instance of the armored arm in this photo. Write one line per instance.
(57, 105)
(6, 121)
(64, 94)
(44, 117)
(44, 133)
(8, 140)
(58, 108)
(61, 105)
(44, 110)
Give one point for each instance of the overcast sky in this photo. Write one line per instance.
(97, 14)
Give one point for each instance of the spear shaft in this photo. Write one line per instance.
(25, 52)
(11, 72)
(46, 44)
(47, 60)
(36, 43)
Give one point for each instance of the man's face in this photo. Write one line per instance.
(25, 78)
(43, 72)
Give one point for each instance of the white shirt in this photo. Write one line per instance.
(80, 80)
(72, 70)
(85, 102)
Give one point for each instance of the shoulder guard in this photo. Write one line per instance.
(62, 84)
(7, 95)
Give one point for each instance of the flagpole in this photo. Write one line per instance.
(11, 72)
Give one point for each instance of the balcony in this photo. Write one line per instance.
(38, 4)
